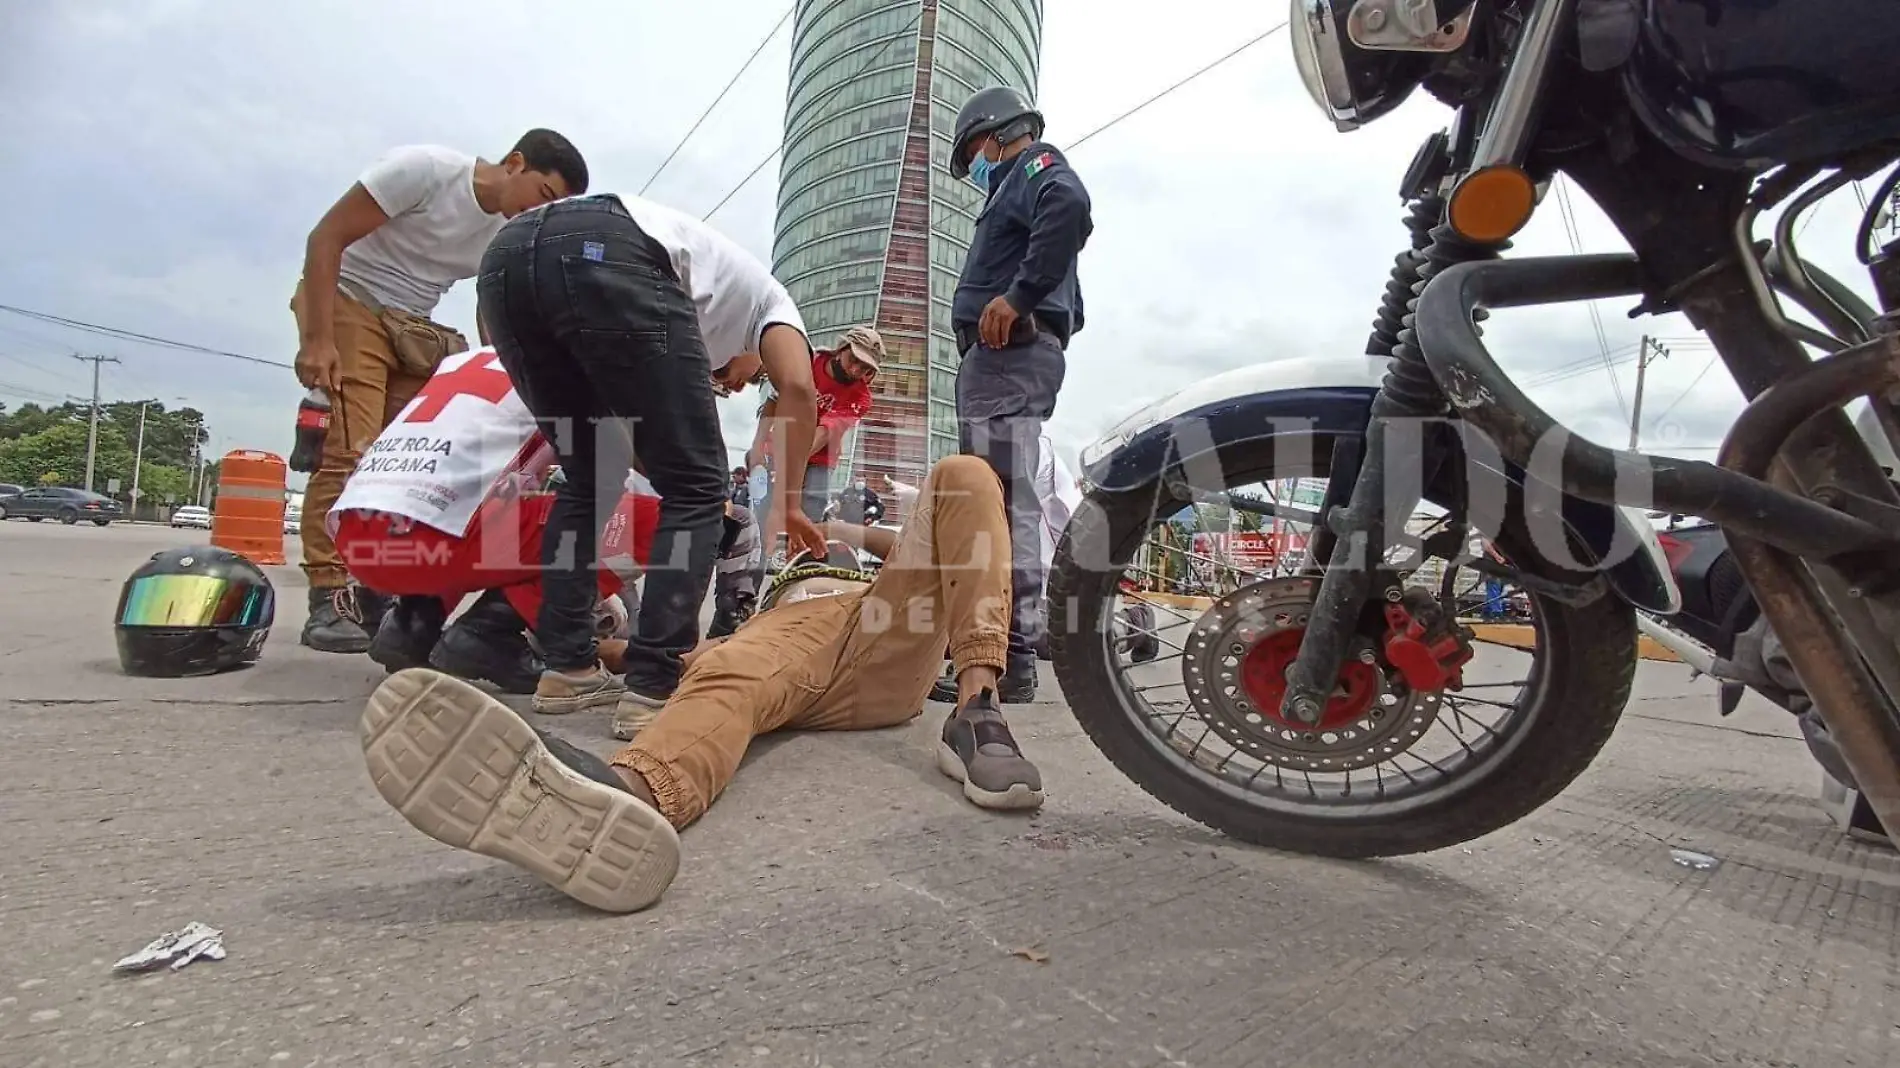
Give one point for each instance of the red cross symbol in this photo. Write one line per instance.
(481, 376)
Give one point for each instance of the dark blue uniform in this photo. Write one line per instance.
(1032, 227)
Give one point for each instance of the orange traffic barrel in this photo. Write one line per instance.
(248, 515)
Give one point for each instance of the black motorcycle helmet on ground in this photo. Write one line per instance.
(999, 110)
(193, 611)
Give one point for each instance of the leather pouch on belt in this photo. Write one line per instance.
(420, 344)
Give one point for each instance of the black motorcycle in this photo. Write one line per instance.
(1295, 711)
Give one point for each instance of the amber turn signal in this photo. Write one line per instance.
(1490, 205)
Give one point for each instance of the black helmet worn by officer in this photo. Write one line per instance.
(193, 611)
(1002, 111)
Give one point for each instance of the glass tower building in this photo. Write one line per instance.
(871, 227)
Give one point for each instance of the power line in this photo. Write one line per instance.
(17, 330)
(1594, 363)
(30, 393)
(132, 335)
(876, 54)
(747, 65)
(35, 368)
(1243, 47)
(1690, 388)
(1587, 365)
(1568, 214)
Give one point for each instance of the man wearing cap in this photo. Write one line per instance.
(1017, 304)
(842, 376)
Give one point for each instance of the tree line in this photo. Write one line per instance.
(42, 446)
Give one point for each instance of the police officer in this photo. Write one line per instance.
(1017, 305)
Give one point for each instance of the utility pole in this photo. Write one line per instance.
(138, 458)
(1643, 360)
(92, 432)
(197, 462)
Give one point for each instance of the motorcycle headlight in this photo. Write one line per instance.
(1352, 85)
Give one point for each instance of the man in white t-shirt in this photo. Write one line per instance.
(614, 317)
(415, 223)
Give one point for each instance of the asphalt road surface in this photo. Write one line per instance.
(842, 905)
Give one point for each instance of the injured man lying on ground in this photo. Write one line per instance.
(831, 648)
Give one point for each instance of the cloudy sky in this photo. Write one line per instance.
(167, 158)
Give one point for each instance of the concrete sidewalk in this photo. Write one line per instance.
(842, 905)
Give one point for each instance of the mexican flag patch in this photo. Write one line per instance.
(1036, 166)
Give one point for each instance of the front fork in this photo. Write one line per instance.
(1356, 532)
(1352, 540)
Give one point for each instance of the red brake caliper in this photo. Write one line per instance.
(1263, 677)
(1427, 645)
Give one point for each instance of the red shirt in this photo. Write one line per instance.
(840, 406)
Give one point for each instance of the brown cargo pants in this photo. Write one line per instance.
(852, 661)
(375, 389)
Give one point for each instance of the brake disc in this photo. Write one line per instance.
(1234, 669)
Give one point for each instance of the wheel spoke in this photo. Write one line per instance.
(1213, 696)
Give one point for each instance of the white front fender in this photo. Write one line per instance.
(1297, 373)
(1335, 397)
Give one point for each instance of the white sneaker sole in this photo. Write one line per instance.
(463, 769)
(1018, 797)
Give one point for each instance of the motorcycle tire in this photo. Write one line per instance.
(1578, 690)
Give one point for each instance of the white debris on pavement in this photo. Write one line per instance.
(180, 948)
(1689, 858)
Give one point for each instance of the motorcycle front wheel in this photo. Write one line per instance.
(1279, 785)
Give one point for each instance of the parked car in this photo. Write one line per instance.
(63, 503)
(195, 516)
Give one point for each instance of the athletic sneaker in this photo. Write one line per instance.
(463, 769)
(978, 751)
(559, 693)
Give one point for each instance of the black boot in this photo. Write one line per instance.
(336, 622)
(1016, 688)
(1018, 685)
(488, 643)
(729, 611)
(373, 606)
(409, 630)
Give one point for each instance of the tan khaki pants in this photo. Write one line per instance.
(374, 390)
(850, 662)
